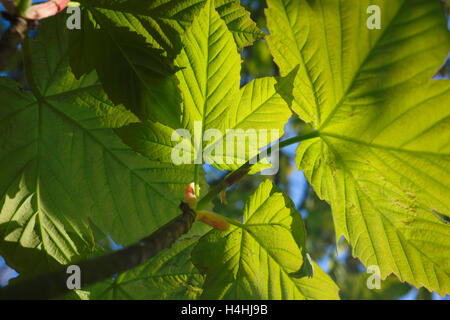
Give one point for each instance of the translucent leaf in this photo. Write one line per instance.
(238, 21)
(260, 258)
(62, 164)
(382, 158)
(209, 82)
(169, 275)
(142, 38)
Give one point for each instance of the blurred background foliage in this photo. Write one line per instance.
(335, 258)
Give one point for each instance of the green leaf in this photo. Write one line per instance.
(62, 164)
(162, 22)
(159, 22)
(131, 70)
(259, 258)
(209, 81)
(238, 21)
(143, 38)
(22, 5)
(382, 158)
(260, 108)
(169, 275)
(29, 230)
(210, 71)
(77, 295)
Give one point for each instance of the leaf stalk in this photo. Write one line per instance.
(245, 168)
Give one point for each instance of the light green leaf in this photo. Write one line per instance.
(21, 5)
(382, 158)
(259, 108)
(62, 164)
(152, 139)
(238, 21)
(259, 258)
(169, 275)
(77, 295)
(210, 71)
(209, 81)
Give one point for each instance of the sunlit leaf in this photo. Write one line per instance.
(169, 275)
(259, 259)
(62, 166)
(209, 82)
(382, 158)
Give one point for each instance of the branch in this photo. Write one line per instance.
(9, 5)
(21, 22)
(12, 38)
(53, 284)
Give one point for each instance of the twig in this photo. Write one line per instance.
(23, 19)
(11, 39)
(243, 170)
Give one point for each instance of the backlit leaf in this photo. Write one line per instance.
(382, 158)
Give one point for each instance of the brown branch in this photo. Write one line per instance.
(53, 284)
(21, 22)
(12, 38)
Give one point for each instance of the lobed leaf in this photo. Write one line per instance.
(62, 164)
(169, 275)
(143, 38)
(238, 21)
(382, 156)
(261, 258)
(209, 82)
